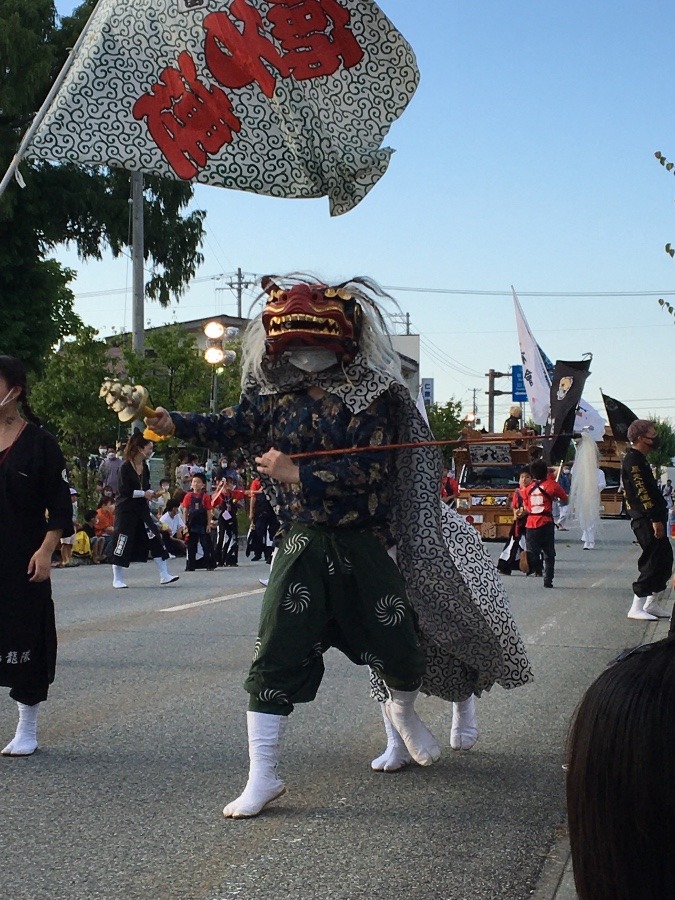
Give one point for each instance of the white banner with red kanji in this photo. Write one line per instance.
(290, 98)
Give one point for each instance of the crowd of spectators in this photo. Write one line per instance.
(232, 503)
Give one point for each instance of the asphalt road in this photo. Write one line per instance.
(143, 741)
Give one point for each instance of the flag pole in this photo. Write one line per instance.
(42, 112)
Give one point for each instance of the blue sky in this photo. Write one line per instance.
(526, 157)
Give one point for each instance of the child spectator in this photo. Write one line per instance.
(197, 506)
(161, 498)
(96, 542)
(172, 529)
(104, 524)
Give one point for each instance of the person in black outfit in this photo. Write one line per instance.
(648, 513)
(227, 500)
(32, 480)
(136, 532)
(265, 526)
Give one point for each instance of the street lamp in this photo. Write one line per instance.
(216, 355)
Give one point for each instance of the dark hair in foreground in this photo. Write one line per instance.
(621, 779)
(14, 373)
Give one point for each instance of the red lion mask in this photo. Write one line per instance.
(311, 315)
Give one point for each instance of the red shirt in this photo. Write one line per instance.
(203, 495)
(517, 500)
(538, 498)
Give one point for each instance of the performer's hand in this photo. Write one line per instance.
(659, 530)
(278, 466)
(149, 495)
(162, 423)
(39, 566)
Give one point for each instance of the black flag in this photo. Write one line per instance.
(567, 385)
(620, 417)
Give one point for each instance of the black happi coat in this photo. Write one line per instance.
(136, 532)
(33, 488)
(644, 499)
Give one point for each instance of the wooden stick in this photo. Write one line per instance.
(460, 441)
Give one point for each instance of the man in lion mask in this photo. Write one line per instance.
(319, 375)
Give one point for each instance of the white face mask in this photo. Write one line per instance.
(7, 399)
(312, 359)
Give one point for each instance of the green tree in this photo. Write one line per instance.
(175, 372)
(83, 205)
(66, 399)
(446, 423)
(666, 452)
(177, 376)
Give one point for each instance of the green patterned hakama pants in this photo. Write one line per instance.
(331, 587)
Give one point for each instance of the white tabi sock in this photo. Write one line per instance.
(396, 755)
(653, 605)
(118, 577)
(165, 576)
(24, 742)
(263, 785)
(419, 741)
(637, 610)
(464, 730)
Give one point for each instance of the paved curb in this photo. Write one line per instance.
(557, 881)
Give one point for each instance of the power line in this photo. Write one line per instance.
(447, 362)
(473, 292)
(453, 291)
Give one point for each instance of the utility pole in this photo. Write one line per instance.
(492, 393)
(402, 320)
(238, 286)
(137, 253)
(472, 417)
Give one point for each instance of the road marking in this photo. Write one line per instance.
(598, 583)
(213, 600)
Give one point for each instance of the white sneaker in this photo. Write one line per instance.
(264, 581)
(169, 580)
